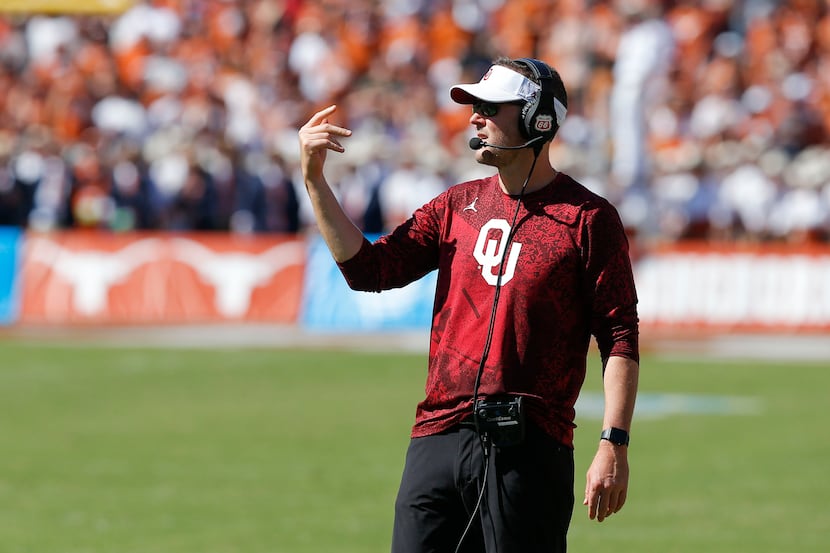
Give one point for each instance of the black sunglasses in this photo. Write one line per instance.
(489, 109)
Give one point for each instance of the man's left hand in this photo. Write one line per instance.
(606, 484)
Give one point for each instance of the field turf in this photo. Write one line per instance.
(116, 450)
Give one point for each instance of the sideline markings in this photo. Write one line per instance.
(654, 405)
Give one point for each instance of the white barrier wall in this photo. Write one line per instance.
(748, 290)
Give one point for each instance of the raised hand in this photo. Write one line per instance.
(318, 136)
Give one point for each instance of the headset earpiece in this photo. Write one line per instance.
(537, 116)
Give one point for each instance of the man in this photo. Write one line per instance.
(530, 265)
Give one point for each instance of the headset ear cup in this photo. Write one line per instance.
(542, 123)
(537, 118)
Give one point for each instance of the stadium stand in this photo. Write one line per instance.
(700, 120)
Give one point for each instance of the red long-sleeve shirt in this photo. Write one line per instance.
(567, 276)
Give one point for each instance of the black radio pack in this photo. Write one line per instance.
(501, 420)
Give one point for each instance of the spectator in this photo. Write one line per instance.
(205, 92)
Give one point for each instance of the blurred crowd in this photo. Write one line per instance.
(699, 120)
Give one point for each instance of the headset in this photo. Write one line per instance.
(538, 118)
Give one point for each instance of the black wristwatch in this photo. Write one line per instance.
(616, 436)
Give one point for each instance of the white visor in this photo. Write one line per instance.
(500, 85)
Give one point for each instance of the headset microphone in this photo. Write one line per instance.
(476, 144)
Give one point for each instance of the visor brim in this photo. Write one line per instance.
(480, 92)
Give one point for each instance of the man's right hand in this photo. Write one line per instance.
(317, 136)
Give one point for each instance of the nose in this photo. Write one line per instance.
(477, 120)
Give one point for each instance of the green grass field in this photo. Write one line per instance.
(112, 450)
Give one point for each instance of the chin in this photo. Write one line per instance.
(491, 157)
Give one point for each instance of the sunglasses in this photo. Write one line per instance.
(488, 109)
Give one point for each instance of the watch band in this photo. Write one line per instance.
(616, 436)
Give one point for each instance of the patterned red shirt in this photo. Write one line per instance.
(567, 275)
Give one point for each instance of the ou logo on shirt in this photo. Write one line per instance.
(489, 252)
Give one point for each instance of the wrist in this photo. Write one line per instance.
(615, 436)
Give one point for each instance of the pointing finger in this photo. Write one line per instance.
(319, 125)
(320, 116)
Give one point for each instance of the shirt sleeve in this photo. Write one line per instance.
(610, 285)
(403, 256)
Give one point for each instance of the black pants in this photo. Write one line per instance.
(527, 505)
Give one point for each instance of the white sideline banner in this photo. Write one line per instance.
(734, 289)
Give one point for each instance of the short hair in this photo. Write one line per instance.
(557, 86)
